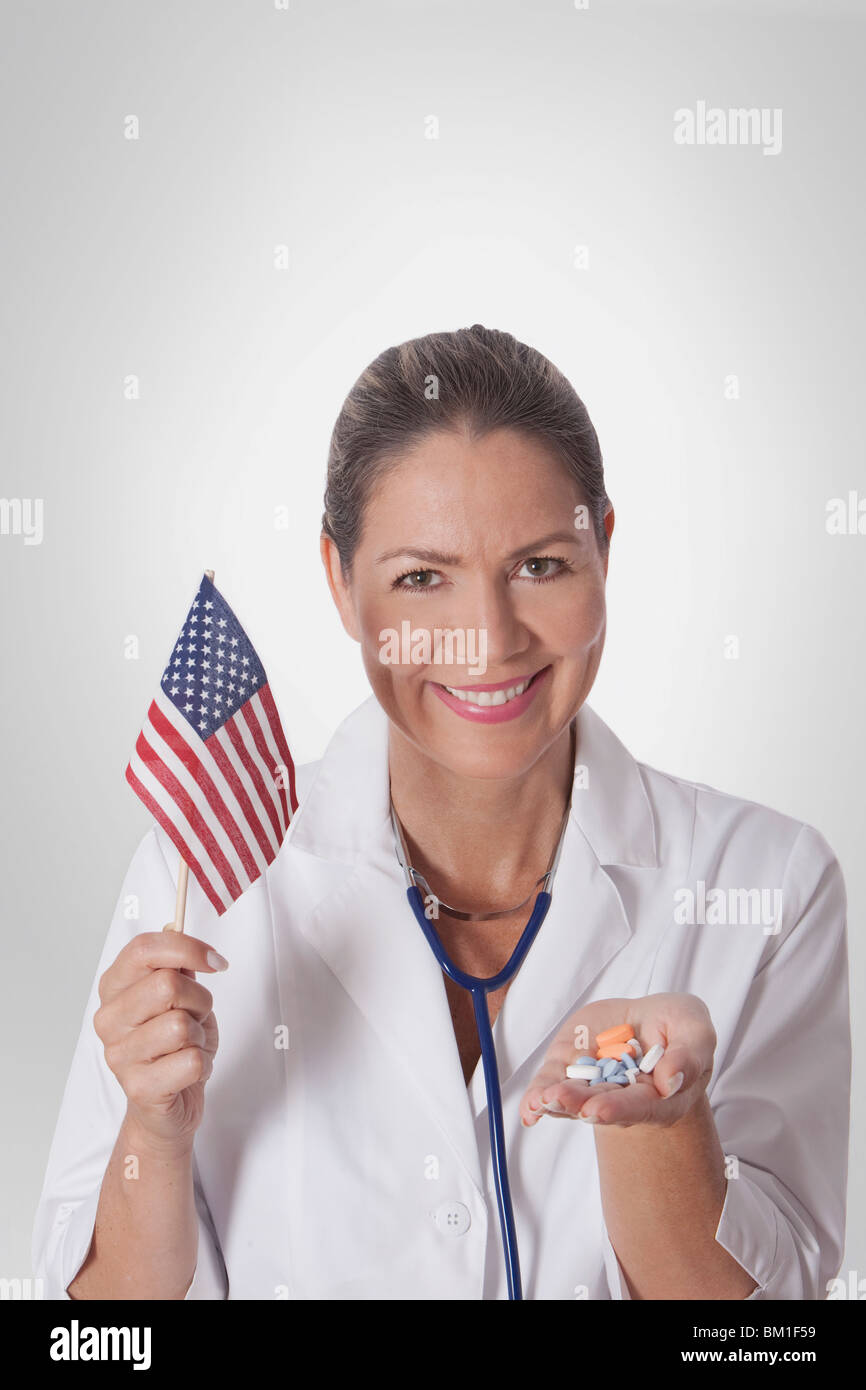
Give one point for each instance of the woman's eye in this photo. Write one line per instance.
(416, 579)
(542, 567)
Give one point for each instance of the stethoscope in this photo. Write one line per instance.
(478, 989)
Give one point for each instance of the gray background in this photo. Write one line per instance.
(262, 127)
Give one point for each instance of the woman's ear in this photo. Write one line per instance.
(608, 526)
(338, 586)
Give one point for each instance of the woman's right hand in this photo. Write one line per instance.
(159, 1034)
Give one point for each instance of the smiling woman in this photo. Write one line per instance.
(466, 510)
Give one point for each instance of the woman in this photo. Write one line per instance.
(337, 1146)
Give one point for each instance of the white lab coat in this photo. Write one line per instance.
(355, 1163)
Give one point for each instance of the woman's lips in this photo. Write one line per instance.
(493, 714)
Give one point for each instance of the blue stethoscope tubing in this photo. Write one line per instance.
(479, 989)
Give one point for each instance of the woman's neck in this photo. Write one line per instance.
(481, 843)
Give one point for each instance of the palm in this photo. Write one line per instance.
(680, 1022)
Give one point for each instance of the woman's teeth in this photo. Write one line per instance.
(489, 697)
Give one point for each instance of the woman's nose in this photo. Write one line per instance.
(488, 606)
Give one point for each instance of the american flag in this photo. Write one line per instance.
(212, 762)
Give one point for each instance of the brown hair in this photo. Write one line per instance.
(478, 379)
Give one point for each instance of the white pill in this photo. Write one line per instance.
(582, 1073)
(638, 1050)
(655, 1053)
(632, 1076)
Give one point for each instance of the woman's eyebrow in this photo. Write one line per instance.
(437, 557)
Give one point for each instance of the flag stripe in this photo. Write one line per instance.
(246, 752)
(227, 782)
(182, 799)
(194, 766)
(174, 812)
(157, 794)
(176, 838)
(233, 774)
(255, 708)
(252, 722)
(280, 740)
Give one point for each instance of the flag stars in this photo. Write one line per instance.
(208, 603)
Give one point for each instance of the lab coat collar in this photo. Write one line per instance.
(348, 803)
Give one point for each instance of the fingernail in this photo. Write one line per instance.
(675, 1083)
(590, 1119)
(216, 961)
(555, 1106)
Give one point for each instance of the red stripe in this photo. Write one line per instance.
(176, 838)
(178, 745)
(265, 754)
(230, 727)
(267, 700)
(180, 797)
(224, 764)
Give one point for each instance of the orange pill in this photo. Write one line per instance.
(613, 1050)
(621, 1033)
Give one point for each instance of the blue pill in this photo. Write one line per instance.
(586, 1062)
(629, 1062)
(596, 1081)
(607, 1067)
(619, 1080)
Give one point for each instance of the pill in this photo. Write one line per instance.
(586, 1073)
(596, 1081)
(614, 1050)
(585, 1062)
(608, 1067)
(632, 1077)
(629, 1063)
(621, 1033)
(656, 1052)
(638, 1050)
(618, 1080)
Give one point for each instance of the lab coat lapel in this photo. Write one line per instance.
(611, 823)
(363, 928)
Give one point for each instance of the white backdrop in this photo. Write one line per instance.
(185, 310)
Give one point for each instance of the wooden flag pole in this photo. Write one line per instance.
(183, 873)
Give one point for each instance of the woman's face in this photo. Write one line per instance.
(481, 541)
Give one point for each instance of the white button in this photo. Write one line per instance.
(452, 1218)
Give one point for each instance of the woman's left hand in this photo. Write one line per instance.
(680, 1022)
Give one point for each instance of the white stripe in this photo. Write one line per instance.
(257, 707)
(171, 809)
(199, 800)
(265, 772)
(211, 767)
(246, 781)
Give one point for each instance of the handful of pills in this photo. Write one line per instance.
(619, 1057)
